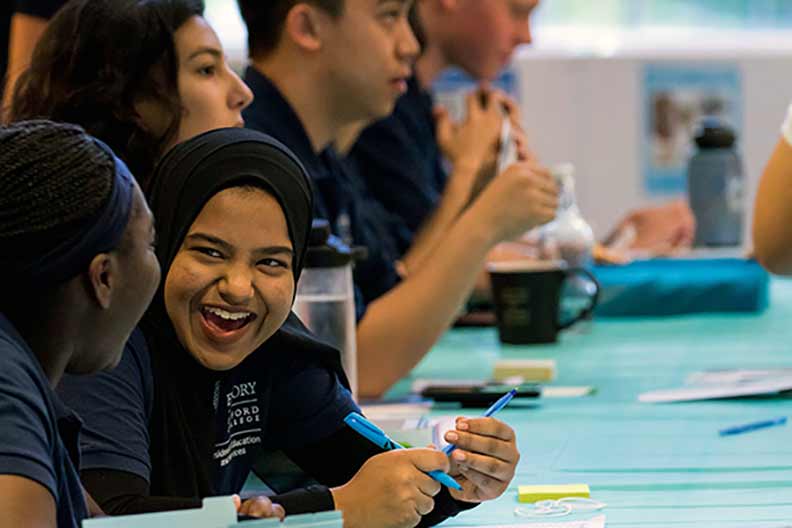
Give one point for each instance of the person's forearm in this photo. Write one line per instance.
(445, 506)
(453, 202)
(133, 505)
(122, 493)
(25, 33)
(94, 510)
(402, 325)
(772, 226)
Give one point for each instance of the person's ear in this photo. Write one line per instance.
(101, 278)
(449, 5)
(151, 116)
(304, 26)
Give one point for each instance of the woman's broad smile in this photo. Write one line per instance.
(225, 324)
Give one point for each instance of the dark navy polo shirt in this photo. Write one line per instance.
(262, 404)
(38, 434)
(400, 160)
(340, 194)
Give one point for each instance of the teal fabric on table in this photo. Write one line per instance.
(661, 287)
(654, 465)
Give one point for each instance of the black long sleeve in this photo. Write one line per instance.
(123, 493)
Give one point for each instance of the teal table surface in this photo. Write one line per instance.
(653, 464)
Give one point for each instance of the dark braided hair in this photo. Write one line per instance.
(97, 60)
(53, 180)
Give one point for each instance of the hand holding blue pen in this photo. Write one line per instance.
(502, 402)
(377, 436)
(487, 454)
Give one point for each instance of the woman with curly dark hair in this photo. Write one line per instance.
(141, 75)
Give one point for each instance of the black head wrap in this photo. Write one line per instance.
(182, 426)
(195, 171)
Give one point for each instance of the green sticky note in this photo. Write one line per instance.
(552, 492)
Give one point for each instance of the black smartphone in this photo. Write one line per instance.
(482, 395)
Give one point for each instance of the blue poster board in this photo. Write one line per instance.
(676, 96)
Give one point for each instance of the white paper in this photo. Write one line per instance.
(731, 376)
(759, 387)
(404, 411)
(508, 150)
(215, 511)
(594, 522)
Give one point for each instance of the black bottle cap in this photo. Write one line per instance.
(326, 250)
(714, 133)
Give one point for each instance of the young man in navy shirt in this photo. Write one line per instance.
(401, 157)
(320, 66)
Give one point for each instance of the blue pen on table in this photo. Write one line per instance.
(502, 402)
(745, 428)
(377, 436)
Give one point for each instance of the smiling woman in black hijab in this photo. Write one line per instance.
(221, 372)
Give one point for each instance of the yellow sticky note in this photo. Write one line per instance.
(552, 492)
(531, 370)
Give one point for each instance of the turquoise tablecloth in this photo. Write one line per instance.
(654, 465)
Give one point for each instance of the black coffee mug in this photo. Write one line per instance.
(527, 296)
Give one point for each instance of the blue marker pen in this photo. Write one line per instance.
(739, 429)
(377, 436)
(502, 402)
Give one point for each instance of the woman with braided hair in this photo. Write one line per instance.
(139, 95)
(78, 270)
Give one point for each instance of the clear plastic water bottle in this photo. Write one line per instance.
(325, 300)
(572, 233)
(568, 237)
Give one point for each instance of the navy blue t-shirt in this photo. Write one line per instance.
(400, 161)
(303, 403)
(39, 8)
(340, 194)
(38, 435)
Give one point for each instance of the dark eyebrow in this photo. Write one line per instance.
(269, 250)
(402, 2)
(214, 52)
(275, 250)
(209, 239)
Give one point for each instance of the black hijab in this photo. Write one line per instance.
(182, 427)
